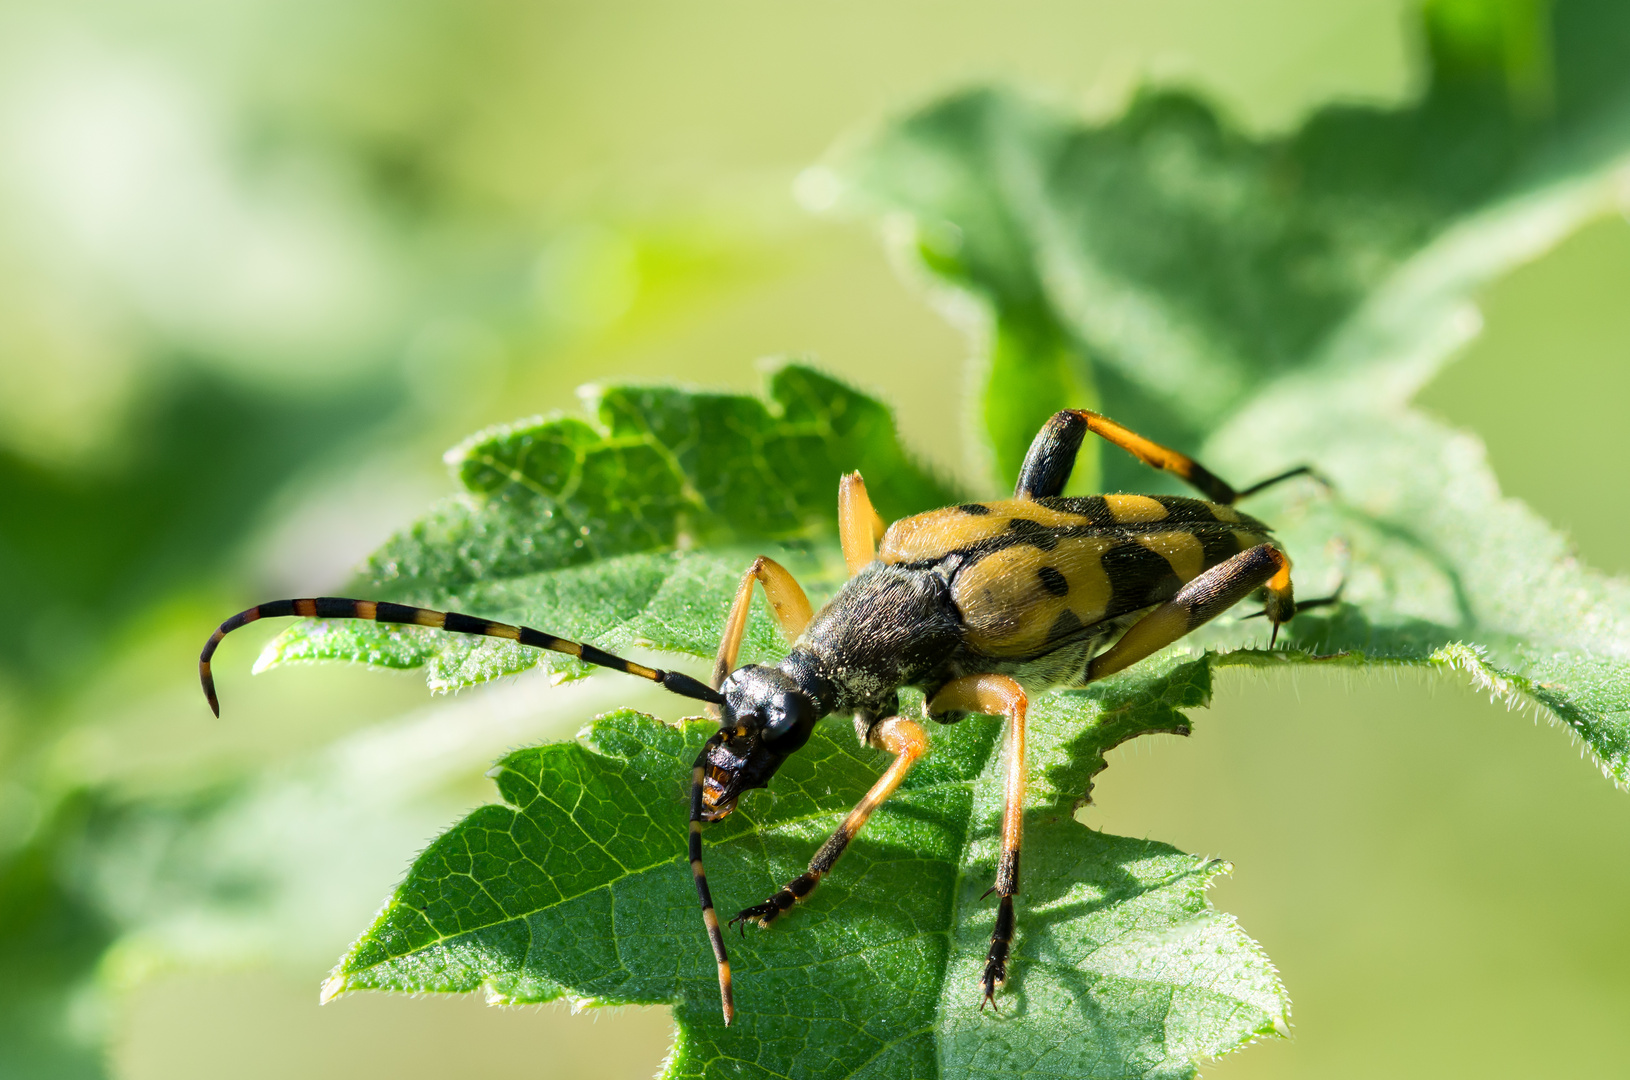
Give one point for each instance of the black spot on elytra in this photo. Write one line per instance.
(1091, 507)
(1219, 544)
(1182, 510)
(1053, 581)
(1033, 533)
(1138, 577)
(975, 509)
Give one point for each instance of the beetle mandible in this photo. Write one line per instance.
(978, 605)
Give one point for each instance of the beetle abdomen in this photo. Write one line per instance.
(1028, 575)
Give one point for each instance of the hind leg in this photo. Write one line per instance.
(1051, 458)
(1200, 601)
(997, 695)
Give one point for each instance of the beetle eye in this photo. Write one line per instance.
(787, 713)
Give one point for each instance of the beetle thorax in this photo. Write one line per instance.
(890, 626)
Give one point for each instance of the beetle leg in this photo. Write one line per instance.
(997, 695)
(859, 526)
(907, 741)
(1300, 470)
(1202, 600)
(1052, 456)
(1306, 605)
(786, 598)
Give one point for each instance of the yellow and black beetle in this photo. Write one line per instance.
(979, 605)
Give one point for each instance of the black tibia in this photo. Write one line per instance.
(335, 607)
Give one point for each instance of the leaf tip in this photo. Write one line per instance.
(269, 657)
(496, 997)
(580, 1005)
(332, 987)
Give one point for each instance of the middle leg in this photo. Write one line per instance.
(859, 526)
(997, 695)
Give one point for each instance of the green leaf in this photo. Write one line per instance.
(573, 527)
(578, 885)
(51, 1015)
(575, 885)
(1269, 303)
(1184, 265)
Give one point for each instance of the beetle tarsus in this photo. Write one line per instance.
(763, 914)
(1001, 942)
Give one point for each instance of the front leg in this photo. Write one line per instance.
(787, 601)
(997, 695)
(907, 741)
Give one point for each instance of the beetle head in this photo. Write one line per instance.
(766, 716)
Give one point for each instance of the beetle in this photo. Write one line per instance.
(979, 606)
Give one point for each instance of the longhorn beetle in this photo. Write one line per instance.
(978, 605)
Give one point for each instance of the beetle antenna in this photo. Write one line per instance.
(709, 917)
(333, 607)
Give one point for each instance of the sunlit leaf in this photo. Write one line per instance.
(1270, 303)
(573, 527)
(578, 884)
(574, 884)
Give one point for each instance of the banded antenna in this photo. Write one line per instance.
(335, 607)
(710, 918)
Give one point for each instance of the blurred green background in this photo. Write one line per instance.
(261, 263)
